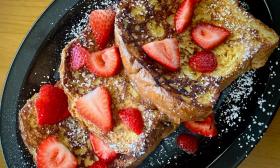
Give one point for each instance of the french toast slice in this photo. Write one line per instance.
(69, 132)
(186, 94)
(73, 135)
(77, 83)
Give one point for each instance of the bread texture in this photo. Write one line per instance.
(188, 95)
(123, 95)
(69, 132)
(75, 137)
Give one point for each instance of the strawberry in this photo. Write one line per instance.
(105, 63)
(184, 15)
(166, 52)
(51, 105)
(187, 143)
(102, 25)
(133, 119)
(99, 164)
(209, 36)
(52, 153)
(78, 55)
(96, 108)
(206, 128)
(203, 61)
(102, 150)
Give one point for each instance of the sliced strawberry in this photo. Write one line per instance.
(203, 61)
(132, 117)
(99, 164)
(209, 36)
(78, 55)
(105, 63)
(102, 150)
(188, 143)
(166, 52)
(102, 25)
(96, 108)
(51, 105)
(206, 128)
(52, 153)
(183, 17)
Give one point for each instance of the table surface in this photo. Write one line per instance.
(18, 16)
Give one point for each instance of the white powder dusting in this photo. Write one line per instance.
(235, 101)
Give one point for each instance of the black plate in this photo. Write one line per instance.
(250, 105)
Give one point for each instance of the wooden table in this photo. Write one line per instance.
(17, 17)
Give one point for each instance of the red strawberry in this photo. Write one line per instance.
(105, 63)
(206, 128)
(102, 150)
(133, 119)
(96, 108)
(51, 105)
(102, 25)
(203, 61)
(184, 15)
(99, 164)
(52, 153)
(78, 55)
(187, 143)
(209, 36)
(166, 52)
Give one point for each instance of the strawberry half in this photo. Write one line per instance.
(78, 55)
(209, 36)
(165, 52)
(52, 153)
(95, 107)
(99, 164)
(183, 17)
(188, 143)
(133, 119)
(102, 25)
(51, 105)
(203, 61)
(102, 150)
(206, 128)
(105, 63)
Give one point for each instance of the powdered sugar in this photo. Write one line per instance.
(236, 99)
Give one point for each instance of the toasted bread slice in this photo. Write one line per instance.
(74, 136)
(77, 83)
(186, 94)
(69, 132)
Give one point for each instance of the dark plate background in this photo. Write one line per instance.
(39, 57)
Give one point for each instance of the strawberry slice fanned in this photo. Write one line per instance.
(183, 17)
(51, 105)
(105, 63)
(206, 128)
(102, 25)
(102, 150)
(95, 107)
(52, 153)
(99, 164)
(165, 52)
(209, 36)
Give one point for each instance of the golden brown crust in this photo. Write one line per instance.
(254, 48)
(175, 108)
(32, 135)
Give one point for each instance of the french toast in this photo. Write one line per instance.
(77, 83)
(187, 94)
(73, 135)
(68, 131)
